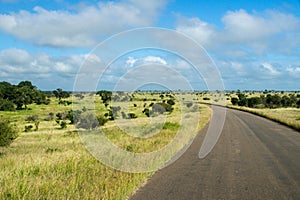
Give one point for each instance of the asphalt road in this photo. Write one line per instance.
(254, 158)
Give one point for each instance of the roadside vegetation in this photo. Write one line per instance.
(279, 106)
(42, 155)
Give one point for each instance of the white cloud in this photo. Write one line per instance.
(154, 59)
(23, 65)
(255, 31)
(131, 61)
(270, 69)
(156, 74)
(293, 71)
(199, 30)
(82, 27)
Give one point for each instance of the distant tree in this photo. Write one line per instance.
(24, 96)
(161, 108)
(27, 84)
(78, 95)
(234, 100)
(7, 91)
(273, 101)
(285, 101)
(105, 96)
(60, 94)
(298, 104)
(253, 101)
(19, 95)
(242, 99)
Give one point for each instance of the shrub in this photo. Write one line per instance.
(123, 115)
(189, 104)
(73, 115)
(51, 116)
(146, 111)
(32, 118)
(171, 126)
(28, 128)
(102, 120)
(36, 123)
(61, 116)
(171, 102)
(161, 108)
(234, 100)
(7, 133)
(89, 120)
(7, 106)
(63, 124)
(131, 115)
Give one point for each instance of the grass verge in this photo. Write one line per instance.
(286, 116)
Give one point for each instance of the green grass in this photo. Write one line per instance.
(53, 163)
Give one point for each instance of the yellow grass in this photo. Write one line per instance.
(286, 116)
(53, 164)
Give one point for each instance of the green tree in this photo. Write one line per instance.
(162, 108)
(171, 102)
(253, 101)
(234, 100)
(105, 96)
(24, 96)
(6, 105)
(60, 94)
(7, 132)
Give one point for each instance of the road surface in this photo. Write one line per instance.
(254, 158)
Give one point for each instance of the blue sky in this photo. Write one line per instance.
(254, 44)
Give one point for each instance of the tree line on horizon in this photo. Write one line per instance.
(17, 97)
(267, 101)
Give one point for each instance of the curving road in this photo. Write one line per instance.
(254, 158)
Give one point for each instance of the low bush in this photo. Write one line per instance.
(7, 132)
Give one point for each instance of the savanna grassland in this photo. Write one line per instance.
(49, 161)
(280, 106)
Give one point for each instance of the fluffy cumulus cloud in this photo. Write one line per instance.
(257, 31)
(17, 65)
(82, 27)
(245, 45)
(203, 32)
